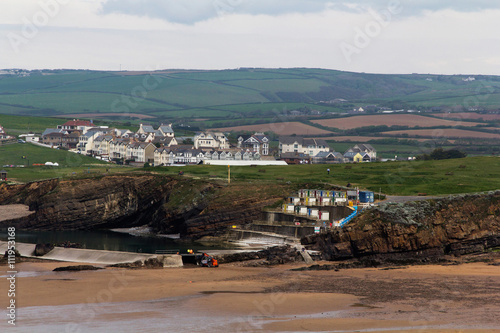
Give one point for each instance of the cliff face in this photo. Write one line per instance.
(89, 203)
(417, 230)
(193, 208)
(195, 214)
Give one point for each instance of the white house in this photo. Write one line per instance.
(86, 141)
(118, 148)
(298, 145)
(76, 125)
(257, 143)
(211, 140)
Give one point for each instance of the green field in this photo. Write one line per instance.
(472, 174)
(229, 98)
(27, 154)
(64, 91)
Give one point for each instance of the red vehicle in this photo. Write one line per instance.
(208, 261)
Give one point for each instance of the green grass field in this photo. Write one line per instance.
(28, 154)
(228, 98)
(472, 174)
(60, 92)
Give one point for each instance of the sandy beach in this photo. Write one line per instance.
(233, 298)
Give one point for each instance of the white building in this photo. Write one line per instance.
(298, 145)
(257, 143)
(211, 140)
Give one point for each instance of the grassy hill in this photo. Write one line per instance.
(196, 99)
(230, 93)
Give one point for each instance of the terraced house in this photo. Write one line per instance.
(140, 152)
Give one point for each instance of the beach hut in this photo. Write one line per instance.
(295, 200)
(312, 201)
(303, 210)
(326, 201)
(340, 197)
(324, 215)
(313, 212)
(3, 175)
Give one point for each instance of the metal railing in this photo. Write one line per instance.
(167, 251)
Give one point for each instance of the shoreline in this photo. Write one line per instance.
(428, 298)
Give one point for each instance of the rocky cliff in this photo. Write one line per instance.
(194, 208)
(416, 231)
(91, 203)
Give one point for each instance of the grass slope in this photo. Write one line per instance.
(28, 154)
(472, 174)
(239, 91)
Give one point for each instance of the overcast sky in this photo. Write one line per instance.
(406, 36)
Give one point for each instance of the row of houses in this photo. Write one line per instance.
(295, 150)
(255, 143)
(155, 146)
(186, 155)
(112, 143)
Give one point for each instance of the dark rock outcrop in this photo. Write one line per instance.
(43, 249)
(169, 205)
(76, 268)
(417, 231)
(89, 203)
(271, 256)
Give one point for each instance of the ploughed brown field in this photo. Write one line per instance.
(469, 115)
(410, 120)
(362, 138)
(446, 133)
(284, 128)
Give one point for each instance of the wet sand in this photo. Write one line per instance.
(232, 298)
